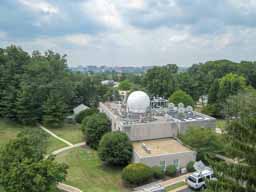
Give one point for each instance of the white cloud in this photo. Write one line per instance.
(104, 12)
(40, 6)
(3, 35)
(133, 4)
(78, 39)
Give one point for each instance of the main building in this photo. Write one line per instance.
(153, 126)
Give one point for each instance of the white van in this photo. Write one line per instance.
(197, 179)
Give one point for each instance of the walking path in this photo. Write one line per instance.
(162, 183)
(62, 186)
(67, 188)
(174, 180)
(56, 136)
(64, 149)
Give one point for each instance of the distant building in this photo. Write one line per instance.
(109, 82)
(76, 111)
(79, 109)
(153, 126)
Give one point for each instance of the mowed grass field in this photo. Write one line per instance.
(87, 172)
(8, 131)
(70, 132)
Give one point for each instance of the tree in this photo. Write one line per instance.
(12, 64)
(161, 81)
(88, 89)
(230, 84)
(94, 128)
(180, 96)
(204, 141)
(85, 113)
(137, 173)
(115, 148)
(25, 108)
(54, 110)
(125, 85)
(23, 167)
(188, 84)
(240, 111)
(222, 88)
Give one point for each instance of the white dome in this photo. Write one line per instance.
(138, 102)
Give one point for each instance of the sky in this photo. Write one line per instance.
(132, 32)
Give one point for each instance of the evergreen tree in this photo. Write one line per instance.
(54, 110)
(12, 63)
(241, 133)
(25, 108)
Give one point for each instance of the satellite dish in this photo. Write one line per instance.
(189, 109)
(171, 106)
(180, 105)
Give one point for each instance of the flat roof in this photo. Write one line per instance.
(159, 147)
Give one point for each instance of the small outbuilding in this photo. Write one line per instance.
(79, 109)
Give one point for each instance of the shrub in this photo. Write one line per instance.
(171, 170)
(94, 128)
(115, 148)
(85, 113)
(190, 167)
(137, 173)
(158, 173)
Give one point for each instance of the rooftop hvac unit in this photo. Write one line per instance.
(145, 147)
(180, 105)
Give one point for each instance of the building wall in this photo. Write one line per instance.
(112, 117)
(184, 158)
(209, 123)
(156, 129)
(151, 130)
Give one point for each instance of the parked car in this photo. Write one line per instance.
(197, 179)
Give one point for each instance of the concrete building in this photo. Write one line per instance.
(153, 125)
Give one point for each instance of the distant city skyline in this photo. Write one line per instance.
(132, 32)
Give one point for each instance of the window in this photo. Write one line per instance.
(200, 180)
(176, 163)
(163, 165)
(192, 179)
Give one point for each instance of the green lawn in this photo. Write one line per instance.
(70, 132)
(87, 173)
(175, 186)
(54, 144)
(8, 131)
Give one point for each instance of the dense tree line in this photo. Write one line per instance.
(40, 88)
(217, 79)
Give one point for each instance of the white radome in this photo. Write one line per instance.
(138, 102)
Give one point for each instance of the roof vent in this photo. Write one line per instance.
(146, 148)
